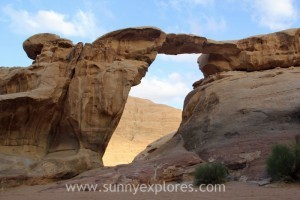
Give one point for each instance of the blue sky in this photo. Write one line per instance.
(170, 77)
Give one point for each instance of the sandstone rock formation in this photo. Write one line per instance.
(280, 49)
(242, 113)
(58, 115)
(153, 146)
(60, 112)
(142, 122)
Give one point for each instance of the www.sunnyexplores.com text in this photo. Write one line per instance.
(155, 188)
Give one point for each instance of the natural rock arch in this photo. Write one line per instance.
(64, 108)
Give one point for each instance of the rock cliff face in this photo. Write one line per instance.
(58, 115)
(142, 122)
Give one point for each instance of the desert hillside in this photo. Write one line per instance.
(142, 122)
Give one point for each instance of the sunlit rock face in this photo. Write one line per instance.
(60, 112)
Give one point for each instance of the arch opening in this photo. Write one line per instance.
(154, 107)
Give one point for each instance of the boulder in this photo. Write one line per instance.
(34, 45)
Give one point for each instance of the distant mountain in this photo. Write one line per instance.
(142, 123)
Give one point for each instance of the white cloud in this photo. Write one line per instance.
(81, 24)
(171, 90)
(275, 14)
(169, 79)
(187, 58)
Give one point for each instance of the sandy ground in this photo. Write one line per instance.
(234, 190)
